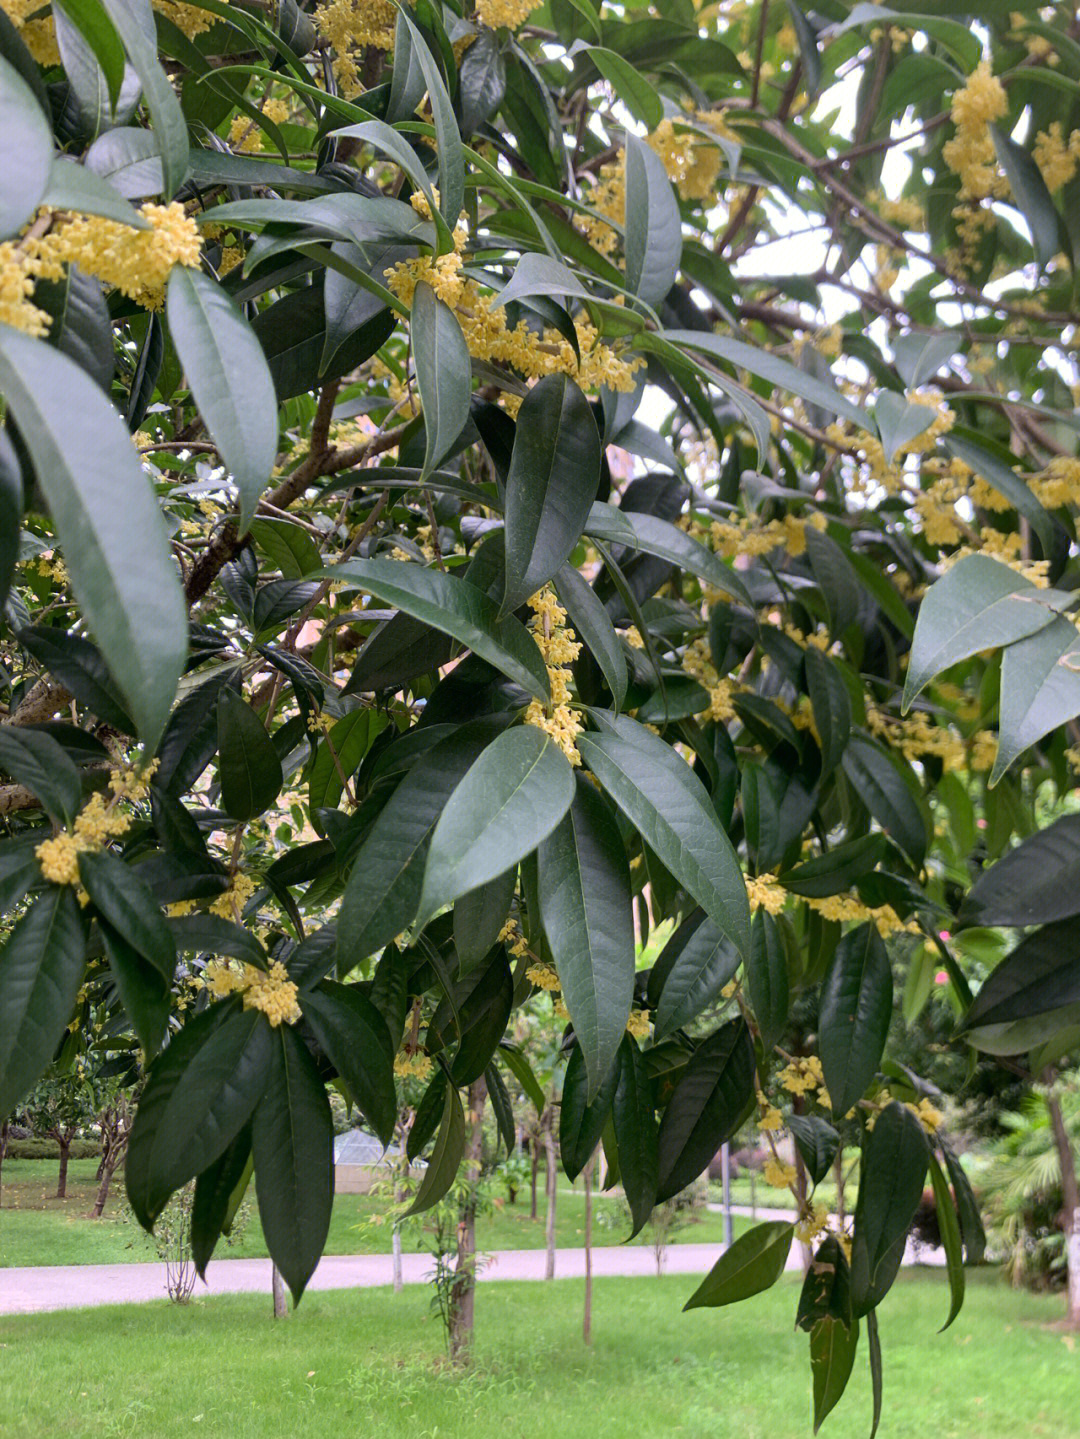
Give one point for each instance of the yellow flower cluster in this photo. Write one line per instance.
(917, 736)
(812, 1222)
(191, 19)
(928, 1115)
(767, 893)
(270, 991)
(95, 825)
(512, 937)
(416, 1065)
(771, 1120)
(1055, 156)
(230, 904)
(560, 648)
(543, 976)
(751, 536)
(350, 25)
(802, 1076)
(488, 335)
(244, 134)
(504, 13)
(778, 1174)
(37, 34)
(638, 1023)
(971, 154)
(690, 159)
(608, 199)
(846, 910)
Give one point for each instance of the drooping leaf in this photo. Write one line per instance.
(831, 703)
(832, 1356)
(456, 608)
(443, 373)
(36, 760)
(229, 378)
(690, 972)
(585, 906)
(816, 1140)
(126, 902)
(1040, 690)
(634, 1118)
(666, 802)
(479, 917)
(967, 1208)
(892, 1173)
(751, 1265)
(855, 1010)
(250, 770)
(581, 1120)
(707, 1106)
(1035, 883)
(134, 24)
(292, 1142)
(653, 225)
(510, 800)
(214, 1189)
(1031, 194)
(354, 1037)
(879, 782)
(554, 472)
(949, 1228)
(481, 81)
(445, 1157)
(767, 978)
(520, 1068)
(826, 1291)
(108, 521)
(41, 968)
(144, 991)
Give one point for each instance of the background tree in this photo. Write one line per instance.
(478, 478)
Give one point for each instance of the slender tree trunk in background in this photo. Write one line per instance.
(116, 1128)
(400, 1182)
(838, 1175)
(281, 1308)
(63, 1139)
(586, 1318)
(551, 1189)
(3, 1152)
(1070, 1194)
(534, 1163)
(800, 1189)
(463, 1290)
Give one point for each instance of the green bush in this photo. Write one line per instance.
(49, 1149)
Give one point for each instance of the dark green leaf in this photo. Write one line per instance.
(656, 536)
(36, 760)
(501, 1107)
(18, 870)
(125, 901)
(690, 972)
(751, 1265)
(510, 800)
(214, 1189)
(1035, 883)
(836, 579)
(767, 978)
(540, 275)
(832, 1355)
(892, 1174)
(554, 472)
(445, 1157)
(630, 85)
(1008, 483)
(581, 1122)
(826, 1291)
(586, 910)
(443, 373)
(856, 1006)
(210, 934)
(479, 916)
(592, 625)
(250, 770)
(635, 1132)
(831, 704)
(1032, 196)
(135, 26)
(429, 1113)
(520, 1068)
(880, 784)
(100, 500)
(653, 225)
(967, 1208)
(229, 379)
(1040, 690)
(816, 1140)
(353, 1035)
(481, 81)
(339, 755)
(949, 1228)
(1038, 978)
(41, 969)
(292, 1142)
(456, 608)
(707, 1106)
(668, 805)
(836, 871)
(143, 989)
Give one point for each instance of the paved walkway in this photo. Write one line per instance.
(73, 1286)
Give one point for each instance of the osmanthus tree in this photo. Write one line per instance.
(469, 477)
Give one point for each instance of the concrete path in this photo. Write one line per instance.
(27, 1291)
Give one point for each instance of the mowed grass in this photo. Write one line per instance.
(371, 1363)
(37, 1229)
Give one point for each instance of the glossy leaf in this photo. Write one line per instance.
(816, 1140)
(445, 1157)
(134, 24)
(767, 978)
(229, 378)
(510, 800)
(26, 155)
(707, 1106)
(836, 871)
(41, 968)
(554, 472)
(456, 608)
(99, 498)
(1035, 883)
(856, 1007)
(653, 226)
(880, 784)
(831, 704)
(658, 537)
(479, 917)
(144, 991)
(292, 1142)
(690, 972)
(585, 906)
(250, 770)
(892, 1173)
(667, 804)
(125, 901)
(353, 1035)
(443, 373)
(214, 1189)
(1040, 690)
(35, 760)
(635, 1132)
(581, 1120)
(751, 1265)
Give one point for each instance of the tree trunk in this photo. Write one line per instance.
(103, 1192)
(462, 1306)
(801, 1187)
(64, 1141)
(838, 1174)
(534, 1162)
(551, 1189)
(3, 1151)
(281, 1307)
(586, 1318)
(1070, 1193)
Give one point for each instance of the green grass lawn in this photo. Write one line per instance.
(370, 1363)
(35, 1228)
